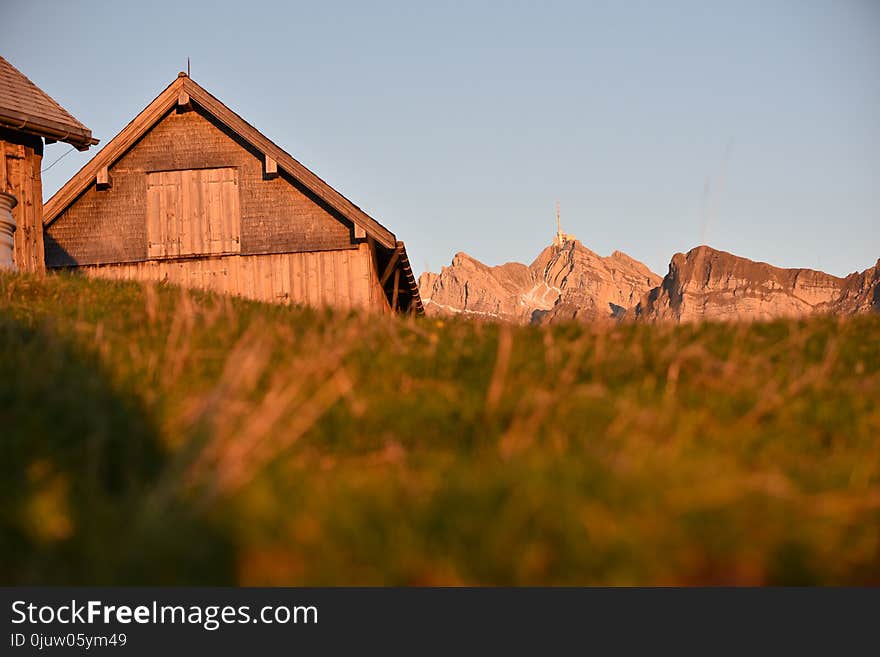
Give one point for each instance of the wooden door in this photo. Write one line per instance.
(193, 212)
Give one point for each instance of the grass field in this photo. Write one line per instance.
(154, 436)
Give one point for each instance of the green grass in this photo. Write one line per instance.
(153, 436)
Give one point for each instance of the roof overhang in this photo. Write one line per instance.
(39, 127)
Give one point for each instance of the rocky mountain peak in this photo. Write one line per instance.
(708, 284)
(566, 281)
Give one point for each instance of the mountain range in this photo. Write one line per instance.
(568, 281)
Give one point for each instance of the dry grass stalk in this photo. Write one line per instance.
(251, 427)
(502, 363)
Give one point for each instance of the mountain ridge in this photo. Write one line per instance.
(569, 282)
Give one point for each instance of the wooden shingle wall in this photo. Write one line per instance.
(110, 225)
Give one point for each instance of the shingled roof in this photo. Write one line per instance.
(27, 108)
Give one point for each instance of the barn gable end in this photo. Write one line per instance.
(190, 193)
(110, 225)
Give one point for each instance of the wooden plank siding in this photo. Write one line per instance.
(340, 279)
(22, 157)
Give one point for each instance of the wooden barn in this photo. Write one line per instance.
(191, 194)
(28, 115)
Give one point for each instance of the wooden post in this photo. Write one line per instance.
(390, 267)
(4, 180)
(396, 289)
(23, 156)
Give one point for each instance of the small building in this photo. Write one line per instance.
(28, 115)
(192, 194)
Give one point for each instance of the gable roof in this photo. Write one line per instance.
(27, 108)
(185, 90)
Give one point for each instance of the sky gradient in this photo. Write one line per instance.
(750, 126)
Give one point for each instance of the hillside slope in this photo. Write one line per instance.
(152, 436)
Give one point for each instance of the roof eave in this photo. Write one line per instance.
(412, 283)
(75, 136)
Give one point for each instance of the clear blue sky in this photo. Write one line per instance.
(752, 126)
